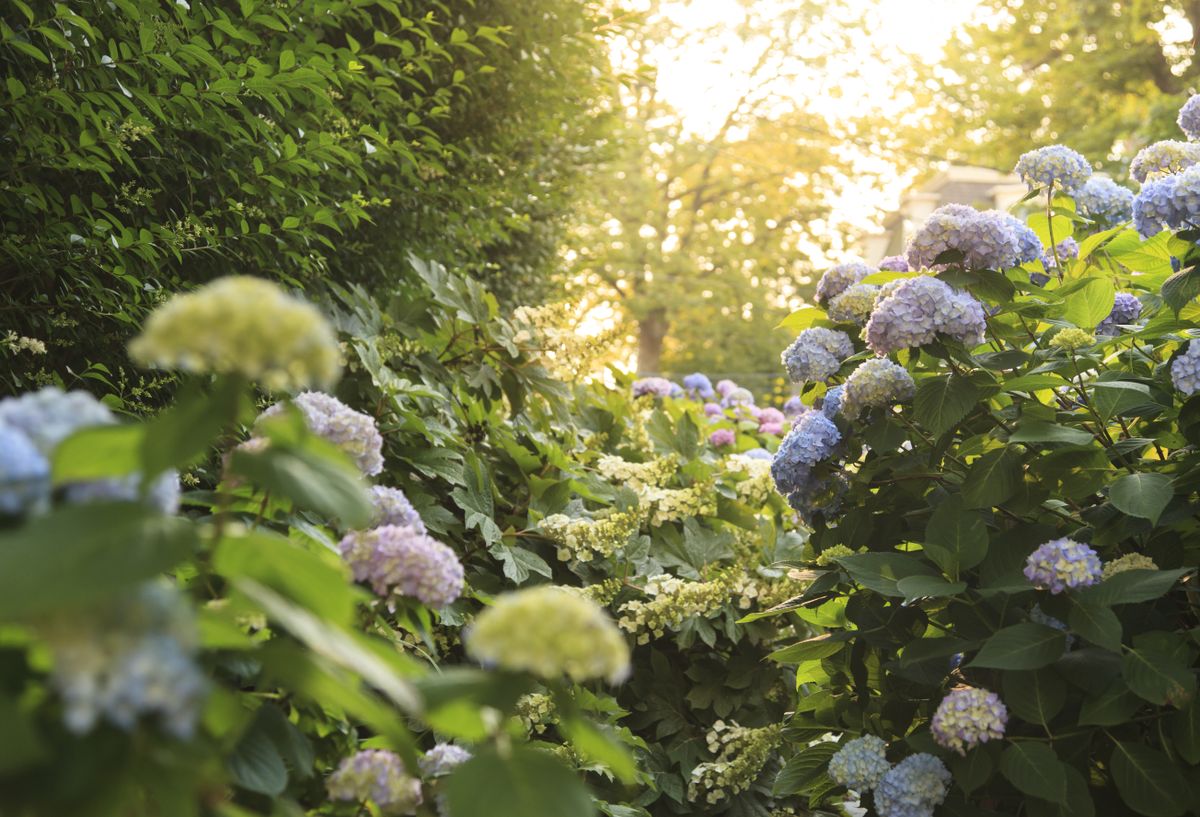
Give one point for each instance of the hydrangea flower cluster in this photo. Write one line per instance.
(672, 601)
(743, 752)
(894, 263)
(131, 658)
(713, 410)
(737, 397)
(1162, 159)
(1189, 117)
(637, 475)
(813, 438)
(391, 507)
(771, 421)
(537, 712)
(724, 387)
(378, 777)
(698, 386)
(1104, 200)
(722, 437)
(968, 717)
(163, 492)
(830, 554)
(354, 432)
(1071, 339)
(835, 280)
(671, 504)
(653, 387)
(400, 560)
(1065, 250)
(1053, 165)
(987, 240)
(861, 763)
(586, 539)
(245, 326)
(918, 311)
(914, 787)
(793, 407)
(1185, 370)
(1130, 561)
(831, 403)
(24, 473)
(876, 382)
(1126, 310)
(1172, 201)
(816, 354)
(854, 304)
(50, 415)
(443, 759)
(1062, 564)
(551, 633)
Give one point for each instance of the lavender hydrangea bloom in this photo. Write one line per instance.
(391, 507)
(793, 407)
(831, 405)
(1162, 159)
(876, 382)
(1053, 165)
(1126, 310)
(24, 473)
(442, 759)
(652, 387)
(968, 717)
(860, 764)
(894, 263)
(1185, 370)
(914, 787)
(379, 777)
(713, 410)
(698, 386)
(812, 439)
(1172, 201)
(403, 561)
(854, 304)
(48, 416)
(722, 437)
(724, 387)
(816, 354)
(987, 240)
(738, 397)
(1105, 201)
(1062, 564)
(163, 493)
(758, 454)
(770, 416)
(918, 311)
(352, 431)
(836, 280)
(1065, 250)
(1189, 117)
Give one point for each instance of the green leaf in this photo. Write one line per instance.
(98, 452)
(519, 563)
(928, 587)
(1091, 303)
(22, 745)
(1115, 705)
(1036, 696)
(256, 764)
(1185, 732)
(81, 553)
(802, 769)
(1095, 622)
(315, 480)
(1035, 431)
(599, 745)
(1147, 781)
(802, 318)
(1142, 495)
(1022, 646)
(1089, 244)
(185, 432)
(287, 59)
(1133, 586)
(819, 646)
(881, 571)
(524, 782)
(973, 770)
(1035, 770)
(475, 499)
(993, 478)
(1158, 676)
(955, 538)
(942, 402)
(1181, 288)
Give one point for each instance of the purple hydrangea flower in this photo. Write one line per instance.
(918, 311)
(835, 281)
(442, 759)
(1189, 117)
(968, 717)
(379, 777)
(403, 561)
(652, 387)
(1066, 250)
(812, 439)
(894, 263)
(772, 416)
(1126, 310)
(713, 410)
(793, 407)
(391, 507)
(722, 437)
(987, 240)
(163, 493)
(1185, 370)
(758, 454)
(914, 787)
(1105, 201)
(1062, 564)
(724, 387)
(816, 354)
(50, 415)
(24, 473)
(876, 382)
(1172, 201)
(738, 397)
(1162, 159)
(854, 304)
(352, 431)
(831, 405)
(1053, 165)
(698, 386)
(860, 764)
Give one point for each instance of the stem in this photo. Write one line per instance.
(1050, 228)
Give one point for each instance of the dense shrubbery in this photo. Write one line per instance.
(1011, 592)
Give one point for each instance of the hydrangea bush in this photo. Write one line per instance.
(1009, 574)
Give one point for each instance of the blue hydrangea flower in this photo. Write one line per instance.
(894, 263)
(24, 473)
(354, 432)
(1189, 117)
(698, 386)
(442, 759)
(968, 717)
(812, 439)
(1164, 158)
(50, 415)
(1053, 165)
(793, 407)
(391, 507)
(1126, 310)
(1066, 250)
(831, 405)
(876, 382)
(1062, 564)
(403, 561)
(818, 495)
(1185, 370)
(379, 777)
(713, 410)
(918, 311)
(987, 240)
(853, 304)
(816, 354)
(1168, 202)
(652, 387)
(163, 493)
(860, 764)
(914, 787)
(835, 280)
(758, 454)
(1105, 201)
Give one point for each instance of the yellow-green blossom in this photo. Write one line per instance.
(586, 539)
(1130, 561)
(672, 601)
(741, 755)
(1072, 338)
(637, 475)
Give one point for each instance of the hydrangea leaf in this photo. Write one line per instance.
(1142, 495)
(1147, 781)
(1022, 646)
(1035, 770)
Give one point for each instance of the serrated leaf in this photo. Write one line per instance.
(1034, 431)
(1091, 303)
(1095, 622)
(1115, 705)
(1158, 677)
(881, 571)
(1035, 770)
(1133, 586)
(802, 318)
(928, 587)
(1142, 495)
(1147, 781)
(992, 479)
(1181, 288)
(1022, 646)
(942, 402)
(955, 538)
(1036, 696)
(524, 782)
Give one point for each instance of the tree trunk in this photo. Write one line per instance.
(651, 330)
